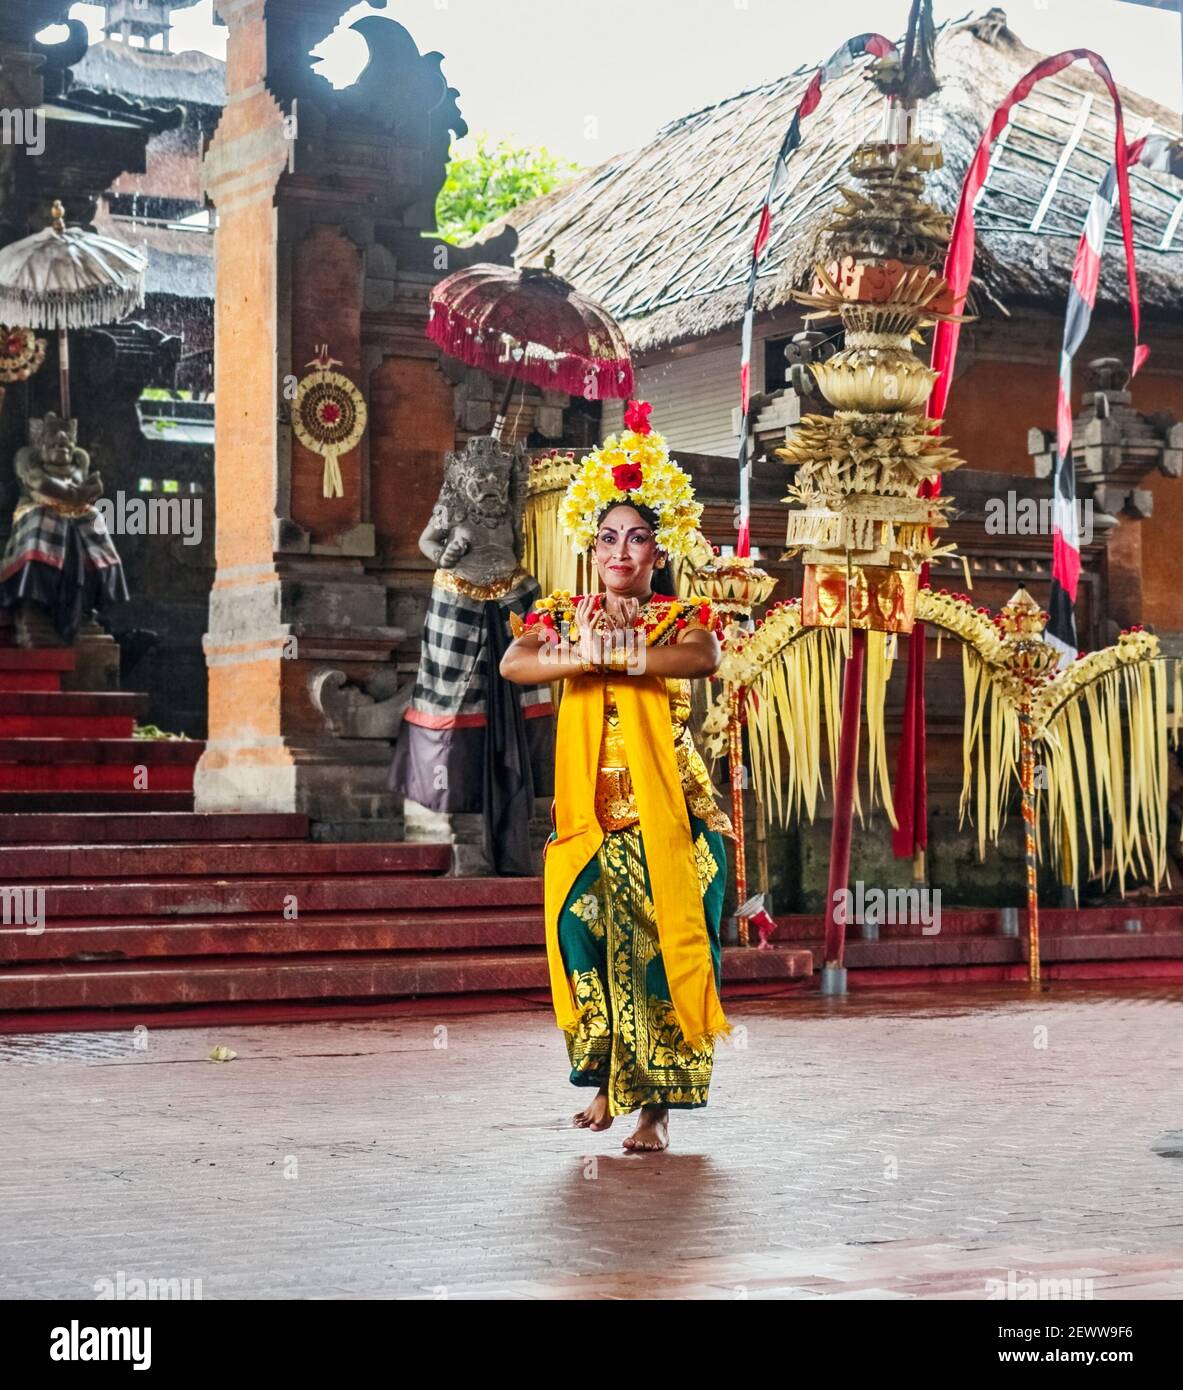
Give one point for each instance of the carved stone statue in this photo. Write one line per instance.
(475, 526)
(471, 741)
(60, 563)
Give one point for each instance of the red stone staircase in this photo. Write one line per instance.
(1092, 943)
(123, 904)
(144, 919)
(57, 746)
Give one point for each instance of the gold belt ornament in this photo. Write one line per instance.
(53, 504)
(454, 584)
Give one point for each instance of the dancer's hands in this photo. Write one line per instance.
(588, 648)
(621, 612)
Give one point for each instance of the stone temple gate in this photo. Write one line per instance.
(323, 197)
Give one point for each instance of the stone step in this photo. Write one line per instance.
(986, 923)
(79, 780)
(260, 858)
(461, 929)
(66, 726)
(69, 715)
(75, 828)
(107, 764)
(99, 801)
(361, 976)
(39, 669)
(971, 952)
(777, 963)
(37, 659)
(28, 682)
(217, 897)
(72, 702)
(85, 751)
(437, 1007)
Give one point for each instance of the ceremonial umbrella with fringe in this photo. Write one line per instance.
(66, 277)
(530, 325)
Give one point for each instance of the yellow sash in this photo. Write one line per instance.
(643, 706)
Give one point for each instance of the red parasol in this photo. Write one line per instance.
(531, 325)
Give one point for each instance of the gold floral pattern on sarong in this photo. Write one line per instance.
(634, 1031)
(670, 1048)
(587, 909)
(704, 861)
(696, 784)
(592, 1043)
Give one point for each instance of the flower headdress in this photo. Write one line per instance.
(633, 468)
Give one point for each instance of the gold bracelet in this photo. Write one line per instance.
(587, 665)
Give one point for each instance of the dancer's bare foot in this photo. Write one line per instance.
(652, 1133)
(596, 1115)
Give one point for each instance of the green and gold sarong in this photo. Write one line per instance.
(627, 1039)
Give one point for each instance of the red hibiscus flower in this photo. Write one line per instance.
(636, 417)
(627, 476)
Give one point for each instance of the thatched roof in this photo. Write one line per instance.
(181, 275)
(143, 74)
(662, 236)
(180, 264)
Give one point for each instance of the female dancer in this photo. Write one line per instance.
(635, 868)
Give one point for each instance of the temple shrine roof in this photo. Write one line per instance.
(190, 77)
(662, 235)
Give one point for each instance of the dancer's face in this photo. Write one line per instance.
(625, 553)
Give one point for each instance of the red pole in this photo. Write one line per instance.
(852, 700)
(735, 740)
(64, 371)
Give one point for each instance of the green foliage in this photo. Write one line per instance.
(493, 179)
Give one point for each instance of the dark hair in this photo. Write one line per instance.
(663, 577)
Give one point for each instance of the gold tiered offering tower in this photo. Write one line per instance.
(859, 512)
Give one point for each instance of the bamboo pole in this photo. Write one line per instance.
(1027, 781)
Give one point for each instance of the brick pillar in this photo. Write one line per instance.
(1123, 566)
(298, 647)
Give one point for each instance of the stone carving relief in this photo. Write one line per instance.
(353, 711)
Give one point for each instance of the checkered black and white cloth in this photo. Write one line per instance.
(39, 533)
(453, 661)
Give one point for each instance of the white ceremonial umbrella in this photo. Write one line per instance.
(66, 277)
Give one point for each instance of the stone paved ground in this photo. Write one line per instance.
(915, 1143)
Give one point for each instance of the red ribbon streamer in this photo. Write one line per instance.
(910, 792)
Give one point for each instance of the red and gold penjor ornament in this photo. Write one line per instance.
(329, 417)
(21, 353)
